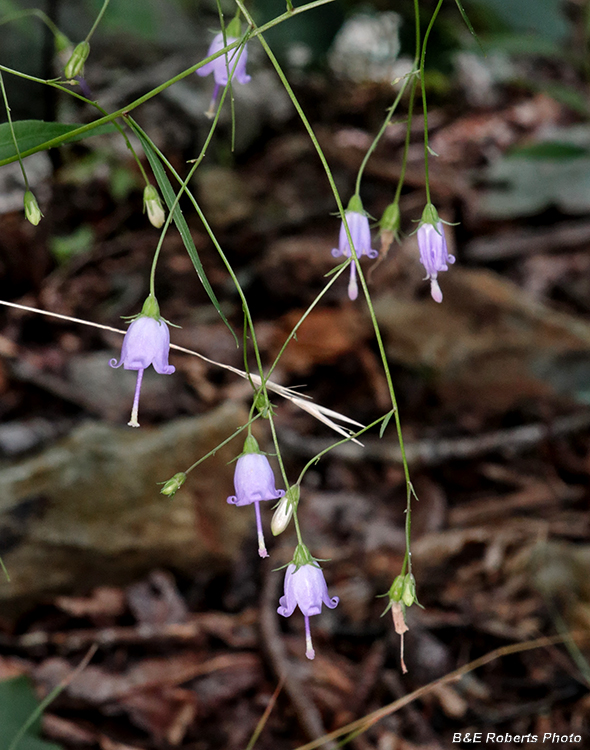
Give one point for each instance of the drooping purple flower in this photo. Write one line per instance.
(305, 587)
(146, 343)
(254, 482)
(434, 254)
(237, 58)
(360, 233)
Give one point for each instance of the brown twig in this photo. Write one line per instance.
(361, 725)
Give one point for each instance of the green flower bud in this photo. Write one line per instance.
(263, 404)
(32, 210)
(284, 510)
(409, 590)
(172, 486)
(153, 205)
(389, 226)
(396, 590)
(75, 65)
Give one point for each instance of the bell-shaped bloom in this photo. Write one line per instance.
(146, 343)
(233, 62)
(434, 254)
(254, 482)
(306, 588)
(360, 233)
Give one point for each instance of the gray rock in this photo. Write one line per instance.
(88, 510)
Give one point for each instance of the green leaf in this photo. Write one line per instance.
(180, 221)
(543, 17)
(550, 150)
(385, 423)
(31, 135)
(17, 703)
(567, 95)
(467, 21)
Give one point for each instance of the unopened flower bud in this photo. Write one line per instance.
(389, 226)
(409, 590)
(172, 486)
(75, 65)
(153, 205)
(397, 588)
(263, 404)
(32, 210)
(284, 510)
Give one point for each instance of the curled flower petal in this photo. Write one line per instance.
(254, 480)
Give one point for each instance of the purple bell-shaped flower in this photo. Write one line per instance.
(360, 233)
(236, 58)
(434, 254)
(254, 482)
(305, 587)
(146, 343)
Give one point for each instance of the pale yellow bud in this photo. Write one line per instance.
(153, 205)
(32, 210)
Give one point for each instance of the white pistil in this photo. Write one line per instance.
(353, 290)
(135, 410)
(261, 545)
(309, 652)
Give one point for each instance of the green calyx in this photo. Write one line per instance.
(391, 219)
(151, 308)
(429, 215)
(75, 65)
(356, 204)
(234, 28)
(251, 445)
(172, 486)
(409, 590)
(263, 404)
(302, 556)
(397, 588)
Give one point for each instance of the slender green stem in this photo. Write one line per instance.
(297, 527)
(280, 73)
(12, 133)
(380, 344)
(305, 314)
(27, 14)
(250, 323)
(98, 20)
(402, 176)
(48, 700)
(5, 570)
(423, 87)
(185, 182)
(234, 434)
(382, 129)
(316, 458)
